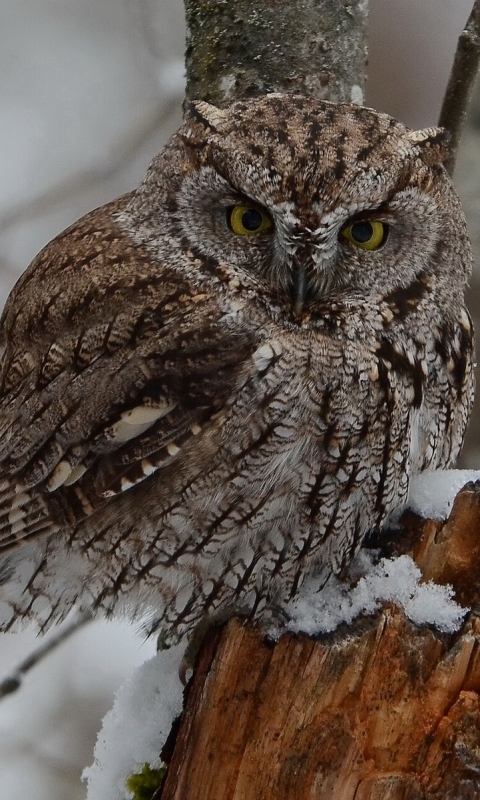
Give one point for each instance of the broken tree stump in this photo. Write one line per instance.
(379, 710)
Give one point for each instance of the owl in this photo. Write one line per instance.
(217, 385)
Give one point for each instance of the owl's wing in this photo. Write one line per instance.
(103, 396)
(100, 431)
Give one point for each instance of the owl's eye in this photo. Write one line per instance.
(369, 234)
(247, 220)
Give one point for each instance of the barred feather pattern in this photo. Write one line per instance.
(193, 421)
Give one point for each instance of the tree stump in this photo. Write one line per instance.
(379, 710)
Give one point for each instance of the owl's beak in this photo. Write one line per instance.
(300, 288)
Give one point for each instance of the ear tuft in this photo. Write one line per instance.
(432, 143)
(208, 115)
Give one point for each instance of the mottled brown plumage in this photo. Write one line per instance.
(196, 412)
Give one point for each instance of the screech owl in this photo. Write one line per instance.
(219, 383)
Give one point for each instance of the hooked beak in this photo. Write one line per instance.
(300, 288)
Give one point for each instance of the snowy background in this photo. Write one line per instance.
(90, 91)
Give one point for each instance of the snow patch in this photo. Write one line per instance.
(135, 730)
(431, 493)
(396, 580)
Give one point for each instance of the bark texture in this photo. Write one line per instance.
(312, 47)
(459, 90)
(380, 710)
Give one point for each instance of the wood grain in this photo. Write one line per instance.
(381, 709)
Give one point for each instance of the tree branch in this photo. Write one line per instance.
(13, 681)
(317, 49)
(460, 84)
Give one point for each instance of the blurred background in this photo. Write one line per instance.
(89, 92)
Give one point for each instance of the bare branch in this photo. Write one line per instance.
(461, 82)
(13, 681)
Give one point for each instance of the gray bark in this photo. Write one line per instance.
(460, 85)
(316, 48)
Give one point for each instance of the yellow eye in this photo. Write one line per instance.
(369, 234)
(247, 220)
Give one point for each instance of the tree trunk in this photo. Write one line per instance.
(315, 47)
(380, 710)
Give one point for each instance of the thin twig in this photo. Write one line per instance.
(13, 681)
(460, 84)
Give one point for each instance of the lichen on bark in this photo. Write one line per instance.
(316, 48)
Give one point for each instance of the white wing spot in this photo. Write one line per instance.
(465, 321)
(147, 467)
(60, 474)
(20, 500)
(136, 421)
(143, 415)
(75, 475)
(265, 354)
(122, 431)
(16, 515)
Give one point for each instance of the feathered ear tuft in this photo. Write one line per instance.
(432, 143)
(207, 115)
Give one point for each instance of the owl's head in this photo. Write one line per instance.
(308, 199)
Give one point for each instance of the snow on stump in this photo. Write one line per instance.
(381, 709)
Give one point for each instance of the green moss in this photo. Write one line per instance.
(144, 784)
